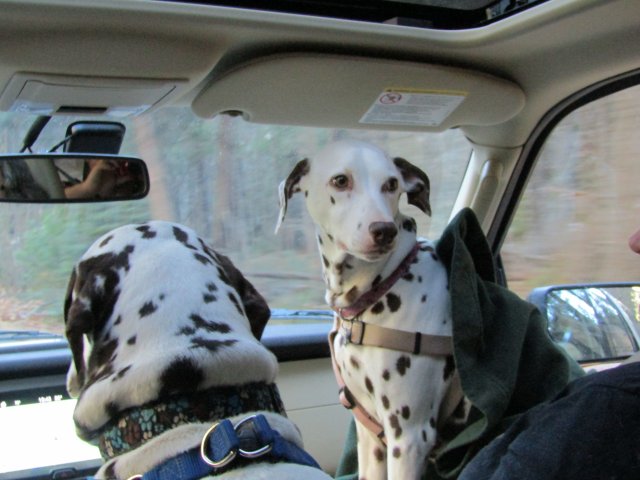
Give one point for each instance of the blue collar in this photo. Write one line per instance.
(226, 446)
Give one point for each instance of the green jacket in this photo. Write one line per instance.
(506, 360)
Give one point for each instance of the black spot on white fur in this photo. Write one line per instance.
(378, 308)
(180, 235)
(202, 259)
(212, 345)
(146, 231)
(403, 364)
(394, 423)
(406, 412)
(106, 241)
(236, 303)
(208, 298)
(112, 409)
(393, 302)
(209, 325)
(147, 309)
(368, 384)
(378, 454)
(182, 375)
(187, 331)
(121, 373)
(354, 363)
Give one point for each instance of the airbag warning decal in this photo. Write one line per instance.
(398, 106)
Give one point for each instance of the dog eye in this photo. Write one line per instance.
(391, 185)
(341, 182)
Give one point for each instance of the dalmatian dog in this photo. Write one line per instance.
(166, 361)
(391, 343)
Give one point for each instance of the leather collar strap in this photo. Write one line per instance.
(377, 292)
(225, 446)
(362, 333)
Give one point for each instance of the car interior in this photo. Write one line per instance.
(526, 112)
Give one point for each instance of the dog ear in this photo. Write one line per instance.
(417, 183)
(255, 306)
(91, 296)
(74, 334)
(288, 187)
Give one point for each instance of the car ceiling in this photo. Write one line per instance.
(151, 53)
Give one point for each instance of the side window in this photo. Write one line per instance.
(580, 206)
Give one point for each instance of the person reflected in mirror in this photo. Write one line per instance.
(17, 183)
(590, 431)
(105, 178)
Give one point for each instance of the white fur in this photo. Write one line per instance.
(175, 275)
(407, 403)
(163, 267)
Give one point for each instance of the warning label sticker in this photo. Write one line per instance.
(397, 106)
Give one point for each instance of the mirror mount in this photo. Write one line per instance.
(94, 137)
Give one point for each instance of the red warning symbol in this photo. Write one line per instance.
(390, 98)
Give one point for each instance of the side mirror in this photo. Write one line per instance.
(592, 322)
(44, 178)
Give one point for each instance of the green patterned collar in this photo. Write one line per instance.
(135, 426)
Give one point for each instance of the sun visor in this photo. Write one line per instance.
(358, 92)
(43, 94)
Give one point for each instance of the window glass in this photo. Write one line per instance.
(582, 201)
(219, 177)
(573, 223)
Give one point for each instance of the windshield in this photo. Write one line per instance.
(219, 177)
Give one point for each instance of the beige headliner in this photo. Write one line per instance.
(547, 52)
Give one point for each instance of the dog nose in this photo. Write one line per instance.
(383, 233)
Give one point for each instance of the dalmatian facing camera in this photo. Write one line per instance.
(171, 378)
(391, 342)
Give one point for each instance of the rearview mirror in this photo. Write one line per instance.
(592, 322)
(43, 178)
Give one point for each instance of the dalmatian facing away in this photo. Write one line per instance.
(391, 342)
(164, 334)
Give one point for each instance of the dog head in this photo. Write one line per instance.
(144, 286)
(352, 192)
